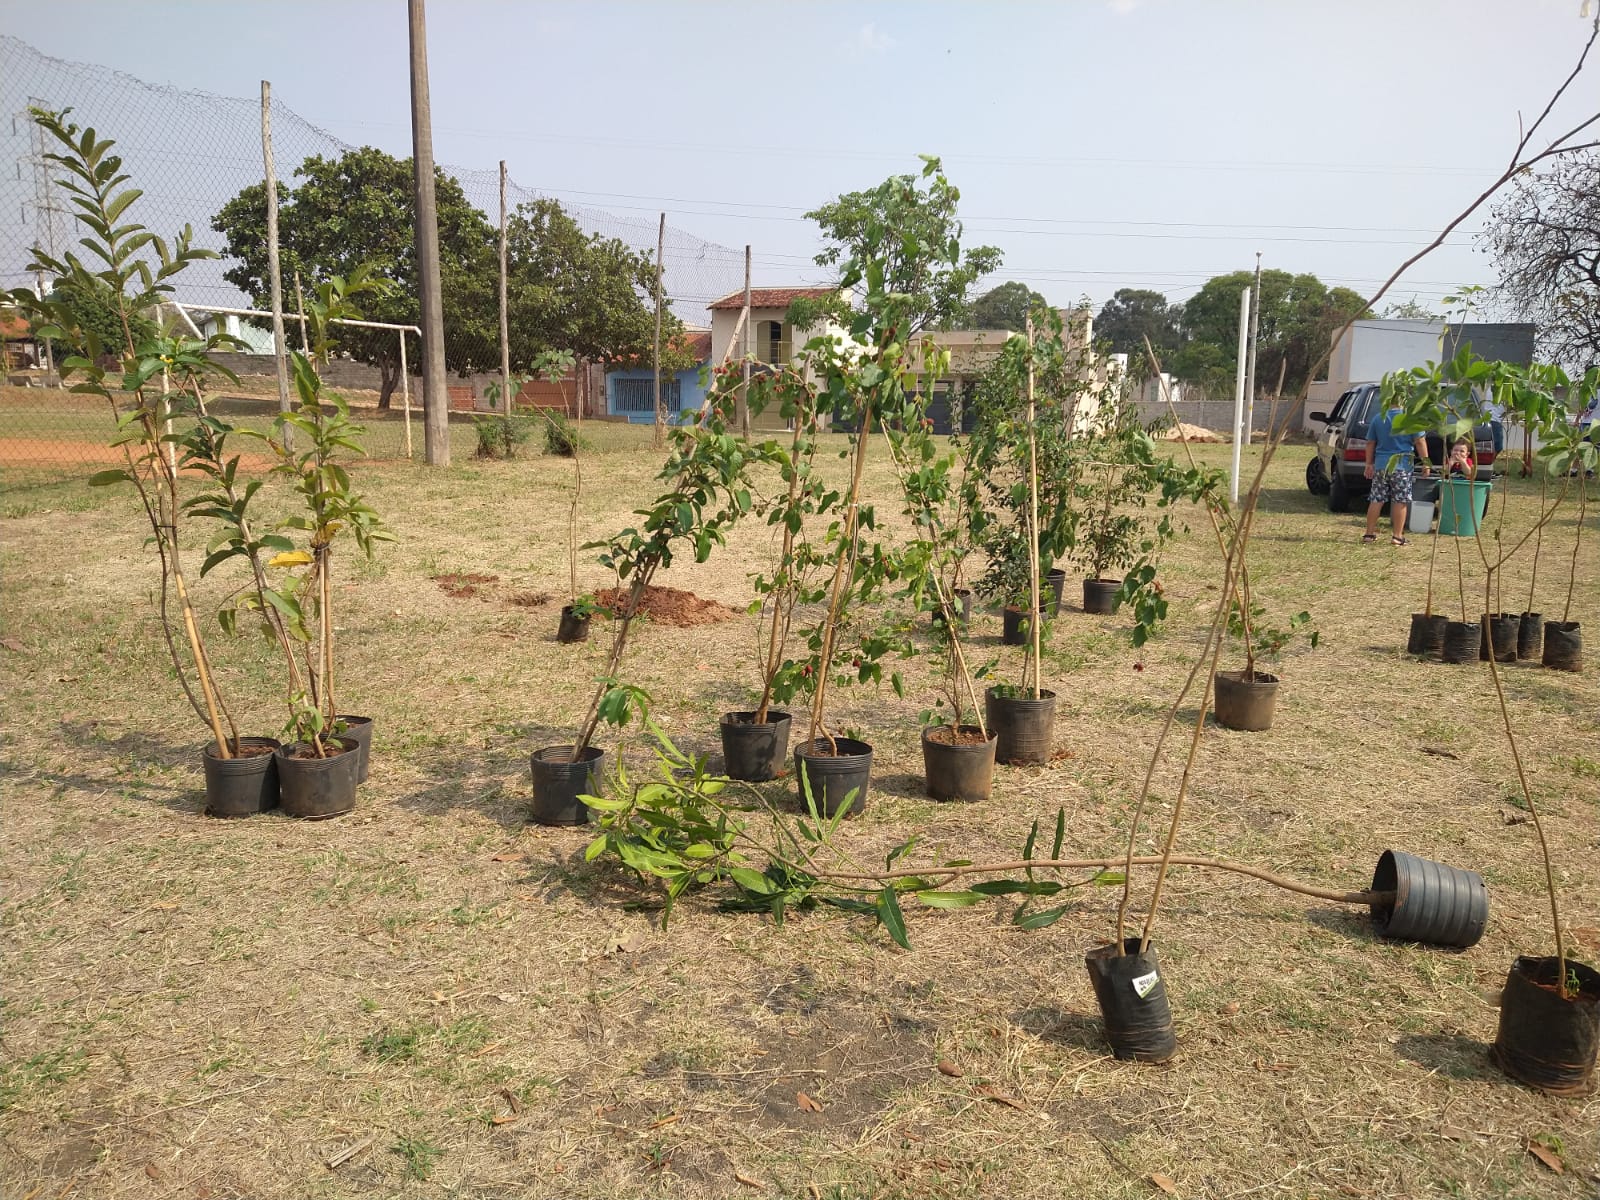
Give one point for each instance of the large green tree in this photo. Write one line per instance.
(1133, 314)
(1004, 307)
(359, 208)
(921, 218)
(570, 291)
(1298, 316)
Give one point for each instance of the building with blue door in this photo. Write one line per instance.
(631, 393)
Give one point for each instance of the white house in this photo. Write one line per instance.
(1372, 349)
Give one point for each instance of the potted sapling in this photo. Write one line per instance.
(755, 741)
(1246, 700)
(151, 383)
(320, 768)
(1549, 1029)
(707, 492)
(957, 755)
(565, 438)
(899, 248)
(1117, 476)
(1573, 454)
(1002, 491)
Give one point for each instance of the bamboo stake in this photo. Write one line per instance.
(1033, 524)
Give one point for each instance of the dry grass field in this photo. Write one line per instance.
(454, 1004)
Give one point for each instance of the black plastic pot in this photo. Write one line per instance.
(1014, 627)
(958, 770)
(1055, 586)
(1545, 1041)
(1433, 903)
(243, 785)
(1530, 636)
(359, 731)
(752, 752)
(313, 788)
(1100, 595)
(835, 780)
(1563, 646)
(557, 784)
(573, 628)
(1460, 642)
(1024, 727)
(1247, 705)
(1133, 1001)
(962, 603)
(1500, 629)
(1427, 633)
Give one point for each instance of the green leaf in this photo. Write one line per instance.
(1038, 920)
(938, 899)
(1061, 832)
(106, 478)
(752, 881)
(893, 919)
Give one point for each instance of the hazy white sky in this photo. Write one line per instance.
(1100, 144)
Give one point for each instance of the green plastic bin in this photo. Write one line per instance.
(1459, 515)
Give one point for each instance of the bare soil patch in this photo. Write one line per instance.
(464, 585)
(670, 606)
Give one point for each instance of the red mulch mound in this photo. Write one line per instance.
(669, 606)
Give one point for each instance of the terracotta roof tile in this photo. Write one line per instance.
(779, 297)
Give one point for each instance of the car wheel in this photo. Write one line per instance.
(1316, 478)
(1338, 494)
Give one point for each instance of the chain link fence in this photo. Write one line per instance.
(190, 153)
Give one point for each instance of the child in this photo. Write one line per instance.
(1460, 462)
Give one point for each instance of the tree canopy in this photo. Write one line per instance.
(1133, 314)
(1004, 307)
(566, 291)
(1545, 238)
(1299, 314)
(921, 210)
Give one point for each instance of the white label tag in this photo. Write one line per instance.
(1145, 984)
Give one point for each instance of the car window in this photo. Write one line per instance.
(1339, 409)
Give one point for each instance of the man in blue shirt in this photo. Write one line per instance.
(1389, 465)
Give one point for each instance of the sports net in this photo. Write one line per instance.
(191, 152)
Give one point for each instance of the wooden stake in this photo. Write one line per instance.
(1033, 523)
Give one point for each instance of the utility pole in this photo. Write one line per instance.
(505, 318)
(661, 413)
(280, 351)
(435, 396)
(1250, 366)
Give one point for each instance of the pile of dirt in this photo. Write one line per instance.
(669, 606)
(1191, 433)
(463, 586)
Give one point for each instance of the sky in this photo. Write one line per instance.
(1099, 143)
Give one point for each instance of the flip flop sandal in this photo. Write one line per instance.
(1369, 537)
(1398, 541)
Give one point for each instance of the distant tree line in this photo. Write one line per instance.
(1197, 340)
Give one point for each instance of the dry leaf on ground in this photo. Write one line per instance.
(1545, 1155)
(1161, 1181)
(806, 1103)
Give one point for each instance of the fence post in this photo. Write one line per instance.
(405, 389)
(280, 352)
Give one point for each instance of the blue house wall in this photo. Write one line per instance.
(630, 394)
